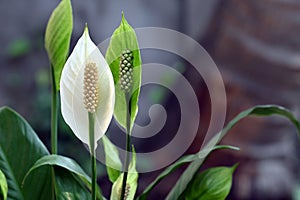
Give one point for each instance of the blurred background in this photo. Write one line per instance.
(255, 44)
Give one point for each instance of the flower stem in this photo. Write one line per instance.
(92, 149)
(126, 164)
(54, 114)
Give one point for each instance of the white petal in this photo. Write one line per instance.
(71, 90)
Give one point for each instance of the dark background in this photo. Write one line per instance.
(255, 44)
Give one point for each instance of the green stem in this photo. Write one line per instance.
(54, 115)
(126, 164)
(92, 149)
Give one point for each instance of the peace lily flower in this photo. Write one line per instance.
(87, 86)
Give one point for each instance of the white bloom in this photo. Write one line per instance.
(74, 102)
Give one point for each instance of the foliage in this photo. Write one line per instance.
(112, 160)
(213, 183)
(22, 154)
(3, 186)
(58, 37)
(20, 149)
(131, 185)
(183, 160)
(193, 168)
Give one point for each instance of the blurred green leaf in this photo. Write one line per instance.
(132, 181)
(111, 159)
(58, 36)
(18, 48)
(214, 183)
(157, 95)
(264, 110)
(42, 78)
(296, 191)
(20, 148)
(124, 38)
(3, 186)
(177, 164)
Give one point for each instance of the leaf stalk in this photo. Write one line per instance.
(128, 150)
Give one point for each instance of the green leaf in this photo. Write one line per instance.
(68, 165)
(68, 187)
(58, 36)
(20, 148)
(124, 38)
(214, 183)
(264, 110)
(3, 186)
(177, 164)
(61, 161)
(18, 48)
(132, 180)
(112, 159)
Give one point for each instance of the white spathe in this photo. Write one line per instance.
(72, 90)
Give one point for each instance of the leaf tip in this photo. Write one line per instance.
(5, 109)
(123, 21)
(234, 167)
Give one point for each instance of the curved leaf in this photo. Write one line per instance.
(177, 164)
(61, 161)
(112, 160)
(214, 183)
(264, 110)
(58, 36)
(3, 186)
(20, 148)
(68, 165)
(124, 38)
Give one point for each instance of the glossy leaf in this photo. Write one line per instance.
(183, 160)
(58, 36)
(68, 187)
(214, 183)
(61, 161)
(132, 180)
(265, 110)
(112, 160)
(20, 148)
(3, 186)
(124, 38)
(71, 168)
